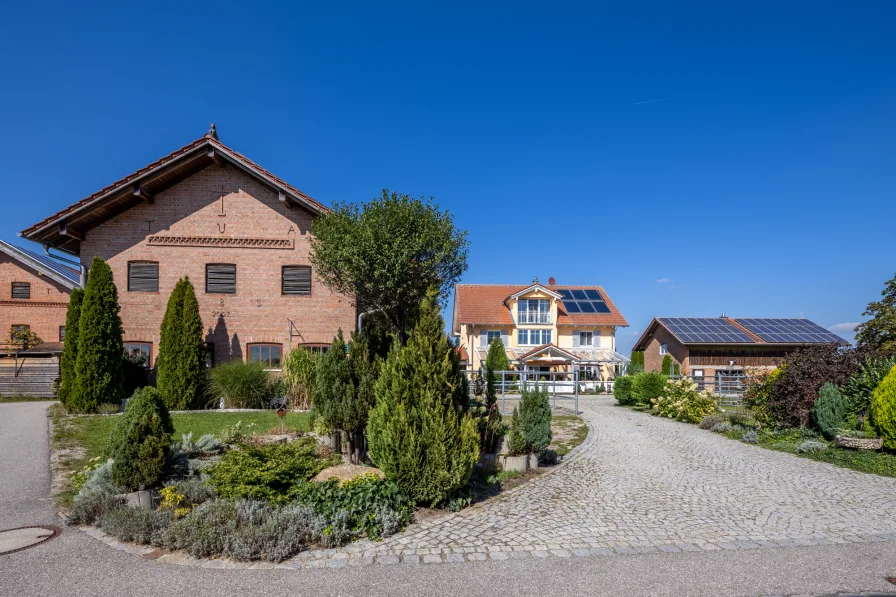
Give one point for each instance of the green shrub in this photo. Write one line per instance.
(181, 363)
(299, 372)
(859, 389)
(750, 437)
(829, 410)
(883, 410)
(722, 427)
(70, 346)
(530, 427)
(139, 442)
(811, 445)
(97, 496)
(136, 524)
(375, 507)
(648, 386)
(419, 432)
(98, 368)
(268, 473)
(682, 401)
(710, 421)
(245, 530)
(490, 422)
(496, 359)
(622, 390)
(240, 384)
(756, 395)
(666, 367)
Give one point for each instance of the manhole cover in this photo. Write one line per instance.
(12, 540)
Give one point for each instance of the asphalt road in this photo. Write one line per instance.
(77, 565)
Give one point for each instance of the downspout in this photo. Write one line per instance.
(361, 317)
(81, 268)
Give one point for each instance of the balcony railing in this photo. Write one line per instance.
(534, 317)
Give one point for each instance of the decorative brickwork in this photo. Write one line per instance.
(222, 242)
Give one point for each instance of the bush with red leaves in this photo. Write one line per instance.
(805, 370)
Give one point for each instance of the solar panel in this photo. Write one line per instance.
(583, 301)
(705, 330)
(790, 331)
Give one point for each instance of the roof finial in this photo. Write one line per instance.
(535, 281)
(213, 132)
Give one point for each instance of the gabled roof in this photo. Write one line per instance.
(532, 288)
(697, 331)
(62, 274)
(484, 304)
(63, 229)
(550, 348)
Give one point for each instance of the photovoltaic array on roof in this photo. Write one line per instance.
(787, 331)
(706, 330)
(583, 301)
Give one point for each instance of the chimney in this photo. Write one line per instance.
(723, 316)
(552, 281)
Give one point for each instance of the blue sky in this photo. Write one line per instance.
(693, 160)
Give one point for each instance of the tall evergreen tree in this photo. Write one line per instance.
(181, 377)
(418, 433)
(70, 346)
(169, 347)
(878, 334)
(667, 365)
(98, 368)
(496, 359)
(637, 363)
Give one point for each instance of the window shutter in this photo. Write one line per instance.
(296, 279)
(595, 339)
(483, 338)
(504, 338)
(576, 339)
(143, 276)
(220, 278)
(21, 290)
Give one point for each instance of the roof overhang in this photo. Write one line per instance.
(549, 352)
(66, 229)
(29, 261)
(533, 288)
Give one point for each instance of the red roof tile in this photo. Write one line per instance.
(480, 304)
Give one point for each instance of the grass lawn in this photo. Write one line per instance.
(86, 437)
(7, 399)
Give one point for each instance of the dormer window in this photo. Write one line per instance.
(534, 311)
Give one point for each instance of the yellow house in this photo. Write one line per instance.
(543, 327)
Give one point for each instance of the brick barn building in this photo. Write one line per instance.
(707, 347)
(241, 235)
(34, 291)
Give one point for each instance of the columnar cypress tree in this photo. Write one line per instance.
(169, 347)
(181, 378)
(637, 363)
(98, 372)
(70, 346)
(496, 359)
(667, 365)
(418, 433)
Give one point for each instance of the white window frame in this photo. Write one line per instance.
(664, 349)
(526, 335)
(590, 336)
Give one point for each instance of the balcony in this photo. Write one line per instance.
(534, 317)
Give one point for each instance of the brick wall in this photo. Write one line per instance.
(44, 311)
(258, 312)
(653, 360)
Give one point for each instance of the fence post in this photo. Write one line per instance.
(503, 394)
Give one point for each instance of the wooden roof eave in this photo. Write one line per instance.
(66, 230)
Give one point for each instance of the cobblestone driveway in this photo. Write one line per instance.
(644, 484)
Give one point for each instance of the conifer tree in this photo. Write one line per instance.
(496, 358)
(667, 365)
(98, 368)
(169, 347)
(70, 346)
(418, 433)
(181, 377)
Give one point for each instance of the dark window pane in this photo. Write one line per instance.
(275, 356)
(254, 353)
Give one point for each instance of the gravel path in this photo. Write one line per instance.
(640, 482)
